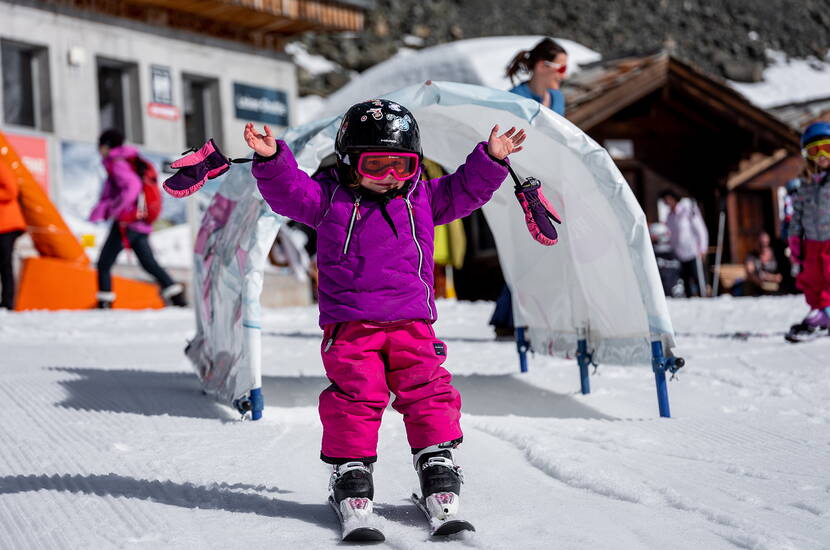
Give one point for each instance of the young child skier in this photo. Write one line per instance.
(809, 233)
(374, 218)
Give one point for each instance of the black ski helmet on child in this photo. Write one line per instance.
(377, 125)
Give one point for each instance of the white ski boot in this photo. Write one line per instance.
(350, 495)
(440, 499)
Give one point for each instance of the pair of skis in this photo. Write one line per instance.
(359, 524)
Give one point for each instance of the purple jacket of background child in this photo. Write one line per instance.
(365, 272)
(121, 189)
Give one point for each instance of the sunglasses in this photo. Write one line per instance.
(560, 68)
(817, 149)
(376, 166)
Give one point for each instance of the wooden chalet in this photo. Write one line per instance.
(670, 125)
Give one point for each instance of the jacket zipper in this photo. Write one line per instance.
(355, 215)
(333, 336)
(420, 252)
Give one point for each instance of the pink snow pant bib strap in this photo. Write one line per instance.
(814, 279)
(364, 362)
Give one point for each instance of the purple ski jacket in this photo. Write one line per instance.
(121, 188)
(366, 273)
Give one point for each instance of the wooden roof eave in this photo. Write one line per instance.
(769, 172)
(629, 89)
(731, 105)
(622, 89)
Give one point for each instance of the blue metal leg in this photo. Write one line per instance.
(660, 365)
(257, 403)
(522, 346)
(662, 393)
(253, 403)
(584, 360)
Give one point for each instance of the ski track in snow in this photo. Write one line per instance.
(107, 442)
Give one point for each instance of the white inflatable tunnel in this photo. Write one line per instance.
(601, 279)
(599, 284)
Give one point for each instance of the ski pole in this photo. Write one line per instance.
(701, 279)
(718, 252)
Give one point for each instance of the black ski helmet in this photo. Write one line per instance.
(377, 125)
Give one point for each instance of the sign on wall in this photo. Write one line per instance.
(161, 84)
(160, 110)
(260, 104)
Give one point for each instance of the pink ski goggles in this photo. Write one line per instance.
(377, 166)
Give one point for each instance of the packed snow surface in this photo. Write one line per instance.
(107, 442)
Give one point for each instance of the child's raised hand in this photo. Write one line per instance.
(264, 145)
(500, 146)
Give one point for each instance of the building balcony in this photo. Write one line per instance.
(271, 16)
(261, 23)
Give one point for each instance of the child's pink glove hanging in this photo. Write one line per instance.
(196, 168)
(539, 212)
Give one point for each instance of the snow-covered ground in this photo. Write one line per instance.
(106, 441)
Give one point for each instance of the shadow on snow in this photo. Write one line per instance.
(505, 394)
(319, 336)
(184, 495)
(138, 391)
(179, 394)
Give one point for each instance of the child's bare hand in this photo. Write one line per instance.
(264, 145)
(500, 146)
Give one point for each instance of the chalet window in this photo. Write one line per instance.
(26, 91)
(119, 101)
(202, 110)
(620, 149)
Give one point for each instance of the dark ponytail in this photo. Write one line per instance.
(524, 61)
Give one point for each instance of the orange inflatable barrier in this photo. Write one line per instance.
(49, 283)
(50, 234)
(62, 277)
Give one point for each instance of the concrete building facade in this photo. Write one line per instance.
(82, 72)
(170, 75)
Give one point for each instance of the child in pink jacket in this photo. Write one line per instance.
(119, 195)
(375, 220)
(809, 233)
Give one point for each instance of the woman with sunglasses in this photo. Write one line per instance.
(809, 233)
(375, 218)
(547, 64)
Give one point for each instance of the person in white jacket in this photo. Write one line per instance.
(689, 239)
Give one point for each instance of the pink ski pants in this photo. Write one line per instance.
(364, 362)
(814, 279)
